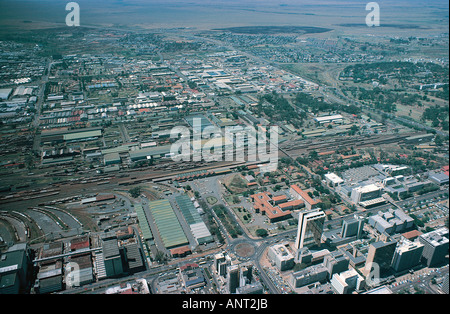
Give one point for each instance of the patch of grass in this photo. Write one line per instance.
(211, 200)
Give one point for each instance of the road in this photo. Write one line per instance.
(40, 102)
(421, 281)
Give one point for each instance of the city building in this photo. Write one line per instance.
(134, 262)
(346, 282)
(198, 228)
(333, 180)
(253, 288)
(351, 230)
(240, 276)
(280, 255)
(297, 193)
(192, 276)
(435, 246)
(445, 284)
(50, 278)
(245, 274)
(439, 178)
(337, 118)
(335, 262)
(150, 153)
(365, 193)
(311, 274)
(5, 93)
(275, 208)
(379, 290)
(112, 256)
(15, 268)
(352, 227)
(221, 263)
(310, 227)
(379, 258)
(83, 273)
(391, 221)
(232, 278)
(407, 255)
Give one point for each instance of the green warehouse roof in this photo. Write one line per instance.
(81, 135)
(198, 228)
(166, 221)
(143, 222)
(188, 209)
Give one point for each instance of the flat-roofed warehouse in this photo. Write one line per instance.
(193, 218)
(62, 135)
(111, 159)
(337, 118)
(169, 228)
(150, 153)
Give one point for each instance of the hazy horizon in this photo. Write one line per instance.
(224, 13)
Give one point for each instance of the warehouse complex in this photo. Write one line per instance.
(168, 226)
(192, 217)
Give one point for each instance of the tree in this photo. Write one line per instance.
(161, 257)
(135, 192)
(313, 154)
(262, 233)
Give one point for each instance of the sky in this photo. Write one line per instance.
(206, 13)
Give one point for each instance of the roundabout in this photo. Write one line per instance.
(244, 249)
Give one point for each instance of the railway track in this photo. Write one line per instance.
(360, 141)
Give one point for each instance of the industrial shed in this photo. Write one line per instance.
(168, 226)
(151, 152)
(196, 224)
(61, 135)
(143, 222)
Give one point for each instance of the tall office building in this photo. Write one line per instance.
(407, 255)
(310, 227)
(233, 278)
(218, 259)
(112, 256)
(435, 246)
(381, 254)
(245, 275)
(221, 262)
(352, 227)
(335, 262)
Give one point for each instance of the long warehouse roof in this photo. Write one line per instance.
(143, 223)
(166, 221)
(198, 227)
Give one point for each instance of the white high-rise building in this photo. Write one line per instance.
(310, 227)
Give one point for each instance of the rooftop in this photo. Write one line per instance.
(169, 227)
